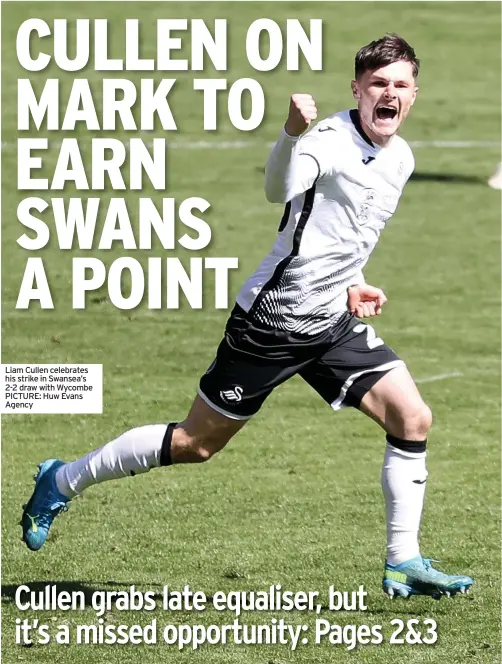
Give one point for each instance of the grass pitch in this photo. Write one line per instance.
(295, 499)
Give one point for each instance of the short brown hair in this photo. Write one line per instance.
(383, 52)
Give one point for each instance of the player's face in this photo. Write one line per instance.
(384, 98)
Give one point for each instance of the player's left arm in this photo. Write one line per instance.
(365, 301)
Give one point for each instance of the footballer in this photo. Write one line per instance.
(300, 313)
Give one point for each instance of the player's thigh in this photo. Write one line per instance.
(237, 383)
(243, 374)
(395, 403)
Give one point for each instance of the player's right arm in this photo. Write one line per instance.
(290, 171)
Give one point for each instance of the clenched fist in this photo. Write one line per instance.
(365, 300)
(302, 110)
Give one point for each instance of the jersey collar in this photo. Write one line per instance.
(356, 121)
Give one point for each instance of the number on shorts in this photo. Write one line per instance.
(372, 340)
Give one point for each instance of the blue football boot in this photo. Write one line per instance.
(418, 577)
(45, 504)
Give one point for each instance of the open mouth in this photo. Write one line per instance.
(386, 112)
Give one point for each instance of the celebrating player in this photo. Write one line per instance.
(299, 313)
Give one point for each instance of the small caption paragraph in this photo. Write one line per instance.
(247, 618)
(51, 388)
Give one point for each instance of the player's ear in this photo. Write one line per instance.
(355, 89)
(414, 96)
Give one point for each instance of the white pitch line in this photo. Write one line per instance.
(433, 379)
(239, 145)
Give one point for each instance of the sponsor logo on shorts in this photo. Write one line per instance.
(232, 396)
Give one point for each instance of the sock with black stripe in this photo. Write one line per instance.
(404, 476)
(135, 451)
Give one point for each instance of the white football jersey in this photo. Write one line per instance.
(340, 190)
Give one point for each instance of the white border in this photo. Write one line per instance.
(219, 410)
(338, 403)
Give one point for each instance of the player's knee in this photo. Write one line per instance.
(193, 449)
(196, 451)
(201, 453)
(417, 423)
(425, 420)
(429, 418)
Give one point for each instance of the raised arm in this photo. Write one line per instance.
(290, 172)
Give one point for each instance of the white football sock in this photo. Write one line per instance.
(135, 451)
(403, 484)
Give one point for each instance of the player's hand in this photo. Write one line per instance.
(302, 110)
(365, 301)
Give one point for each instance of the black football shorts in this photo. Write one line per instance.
(341, 363)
